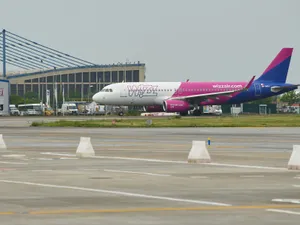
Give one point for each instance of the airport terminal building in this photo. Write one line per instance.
(77, 82)
(42, 70)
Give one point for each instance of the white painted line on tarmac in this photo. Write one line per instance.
(142, 173)
(297, 186)
(252, 176)
(14, 156)
(283, 211)
(15, 163)
(245, 166)
(41, 170)
(57, 154)
(67, 158)
(89, 169)
(170, 161)
(45, 159)
(199, 177)
(117, 193)
(295, 201)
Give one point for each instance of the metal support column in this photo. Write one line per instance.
(4, 53)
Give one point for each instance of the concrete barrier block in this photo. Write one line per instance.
(85, 148)
(3, 146)
(294, 162)
(199, 153)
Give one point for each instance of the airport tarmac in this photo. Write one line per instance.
(141, 176)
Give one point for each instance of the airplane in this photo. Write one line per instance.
(182, 97)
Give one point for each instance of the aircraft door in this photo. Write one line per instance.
(123, 92)
(257, 89)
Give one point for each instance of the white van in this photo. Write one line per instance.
(14, 110)
(69, 109)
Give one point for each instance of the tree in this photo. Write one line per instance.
(290, 97)
(16, 100)
(74, 95)
(29, 97)
(32, 96)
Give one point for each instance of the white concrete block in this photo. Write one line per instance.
(294, 162)
(199, 153)
(85, 148)
(2, 144)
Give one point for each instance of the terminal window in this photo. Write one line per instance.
(79, 77)
(86, 77)
(136, 76)
(93, 77)
(114, 76)
(107, 77)
(71, 77)
(64, 78)
(121, 76)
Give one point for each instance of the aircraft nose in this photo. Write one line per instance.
(96, 97)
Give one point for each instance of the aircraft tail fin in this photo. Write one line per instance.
(278, 69)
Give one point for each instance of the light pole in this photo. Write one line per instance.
(89, 92)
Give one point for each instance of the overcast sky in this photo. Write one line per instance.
(224, 40)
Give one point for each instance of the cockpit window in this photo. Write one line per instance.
(106, 90)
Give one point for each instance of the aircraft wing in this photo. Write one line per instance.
(214, 95)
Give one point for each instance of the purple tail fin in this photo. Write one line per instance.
(278, 69)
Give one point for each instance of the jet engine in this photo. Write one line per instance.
(177, 106)
(153, 108)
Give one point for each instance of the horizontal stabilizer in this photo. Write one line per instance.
(285, 87)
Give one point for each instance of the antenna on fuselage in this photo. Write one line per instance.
(187, 80)
(123, 81)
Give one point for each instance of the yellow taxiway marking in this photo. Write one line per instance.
(7, 213)
(135, 210)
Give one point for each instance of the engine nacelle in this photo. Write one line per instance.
(153, 108)
(176, 106)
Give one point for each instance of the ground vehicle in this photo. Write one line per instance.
(68, 108)
(31, 109)
(14, 110)
(213, 109)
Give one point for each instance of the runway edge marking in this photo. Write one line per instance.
(169, 161)
(117, 193)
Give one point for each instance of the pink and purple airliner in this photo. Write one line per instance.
(182, 97)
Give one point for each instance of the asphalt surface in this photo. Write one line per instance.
(141, 176)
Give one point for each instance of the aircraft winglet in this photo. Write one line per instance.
(249, 84)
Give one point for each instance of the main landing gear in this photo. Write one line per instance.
(184, 113)
(197, 112)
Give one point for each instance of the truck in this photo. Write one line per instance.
(212, 109)
(68, 109)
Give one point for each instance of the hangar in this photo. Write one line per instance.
(42, 68)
